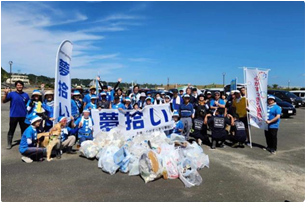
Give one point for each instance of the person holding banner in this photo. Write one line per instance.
(92, 104)
(274, 115)
(103, 103)
(135, 95)
(117, 103)
(239, 106)
(128, 105)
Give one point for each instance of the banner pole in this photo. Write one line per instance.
(249, 126)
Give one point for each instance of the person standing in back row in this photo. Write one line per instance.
(186, 113)
(18, 110)
(274, 115)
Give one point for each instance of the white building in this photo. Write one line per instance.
(16, 77)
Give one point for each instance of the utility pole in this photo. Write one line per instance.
(224, 77)
(288, 84)
(11, 64)
(167, 83)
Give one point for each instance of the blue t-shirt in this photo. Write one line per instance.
(29, 133)
(85, 129)
(18, 103)
(179, 125)
(117, 106)
(93, 106)
(220, 101)
(272, 112)
(186, 110)
(87, 98)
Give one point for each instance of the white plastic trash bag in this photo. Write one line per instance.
(195, 153)
(188, 173)
(121, 158)
(133, 166)
(88, 149)
(150, 166)
(106, 160)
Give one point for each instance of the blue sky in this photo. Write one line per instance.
(189, 42)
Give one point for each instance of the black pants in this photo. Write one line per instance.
(271, 138)
(13, 124)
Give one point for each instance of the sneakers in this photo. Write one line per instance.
(26, 159)
(273, 152)
(213, 145)
(70, 151)
(199, 142)
(235, 145)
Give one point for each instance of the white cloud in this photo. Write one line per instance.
(32, 46)
(139, 6)
(139, 59)
(119, 17)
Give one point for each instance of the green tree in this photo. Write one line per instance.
(275, 86)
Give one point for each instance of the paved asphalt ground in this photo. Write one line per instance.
(234, 174)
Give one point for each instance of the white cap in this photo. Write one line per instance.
(143, 95)
(49, 92)
(36, 118)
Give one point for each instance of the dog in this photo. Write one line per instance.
(49, 139)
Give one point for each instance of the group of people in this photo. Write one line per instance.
(194, 114)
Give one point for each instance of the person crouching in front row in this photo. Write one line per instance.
(27, 147)
(67, 138)
(85, 125)
(217, 125)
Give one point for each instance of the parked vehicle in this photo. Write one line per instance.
(300, 93)
(287, 108)
(287, 96)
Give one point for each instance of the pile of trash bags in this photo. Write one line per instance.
(151, 155)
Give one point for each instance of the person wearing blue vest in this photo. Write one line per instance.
(117, 104)
(274, 115)
(85, 125)
(34, 107)
(27, 147)
(18, 100)
(48, 106)
(177, 101)
(76, 105)
(186, 112)
(91, 105)
(87, 98)
(67, 138)
(149, 95)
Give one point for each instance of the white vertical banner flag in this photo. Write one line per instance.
(62, 91)
(257, 81)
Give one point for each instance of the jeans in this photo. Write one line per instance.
(83, 138)
(35, 153)
(271, 138)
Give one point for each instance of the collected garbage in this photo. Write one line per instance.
(151, 155)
